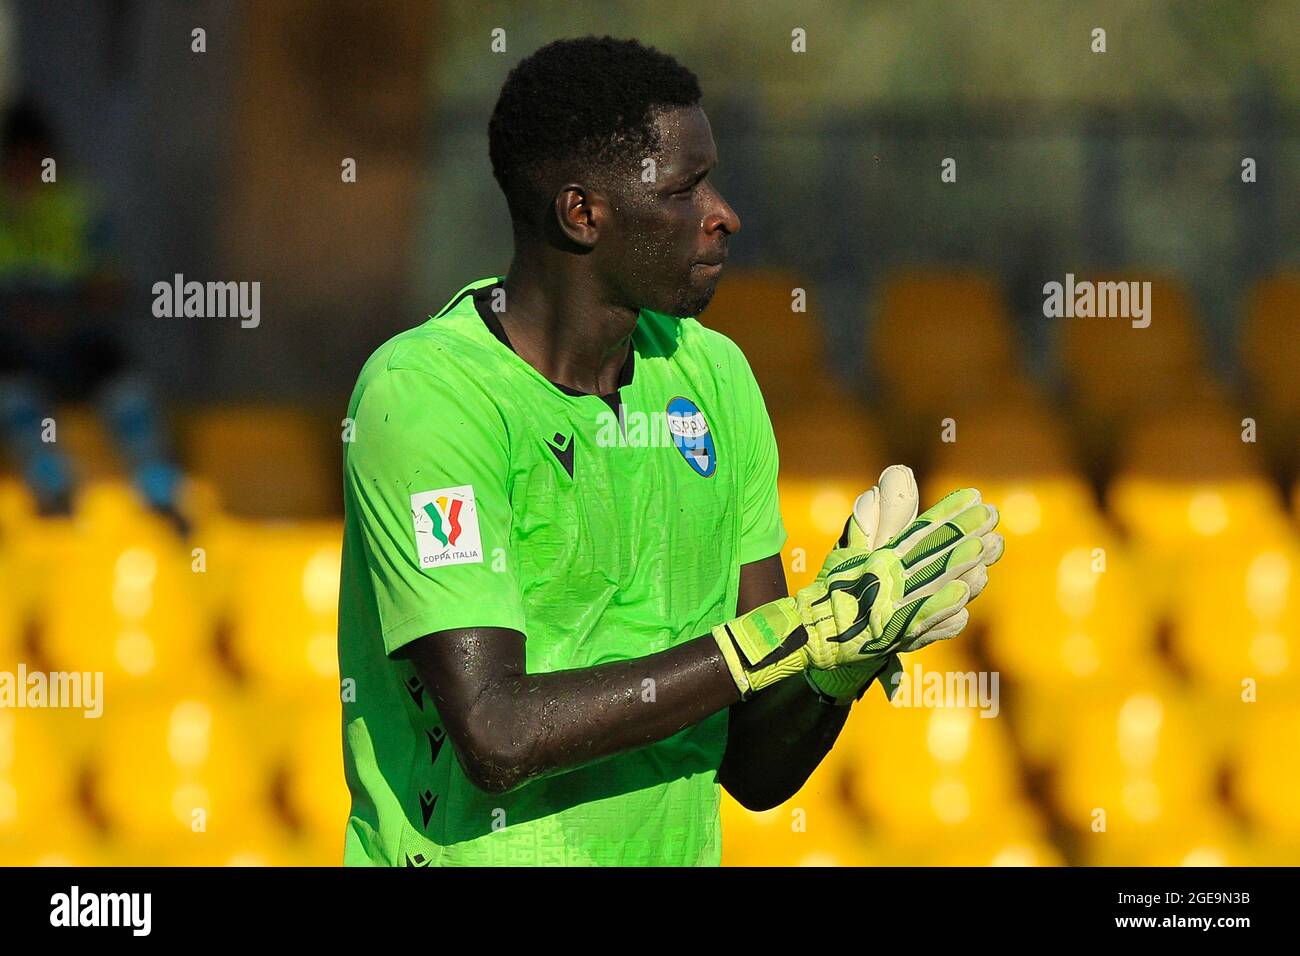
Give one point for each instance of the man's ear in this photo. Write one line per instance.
(580, 212)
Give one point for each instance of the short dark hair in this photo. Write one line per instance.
(579, 107)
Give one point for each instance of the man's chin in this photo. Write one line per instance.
(692, 301)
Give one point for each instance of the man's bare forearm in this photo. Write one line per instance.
(509, 727)
(524, 726)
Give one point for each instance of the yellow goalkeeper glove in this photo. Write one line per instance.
(864, 604)
(880, 515)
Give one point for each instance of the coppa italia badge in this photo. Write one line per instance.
(446, 527)
(691, 435)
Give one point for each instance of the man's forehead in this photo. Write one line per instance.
(685, 136)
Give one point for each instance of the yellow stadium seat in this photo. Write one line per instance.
(284, 605)
(814, 512)
(57, 846)
(285, 850)
(12, 615)
(1266, 765)
(1005, 440)
(110, 507)
(1032, 849)
(316, 793)
(17, 507)
(922, 770)
(1186, 483)
(1037, 511)
(1209, 838)
(104, 508)
(940, 346)
(845, 761)
(1270, 337)
(1130, 762)
(290, 746)
(1112, 367)
(1203, 440)
(36, 547)
(254, 844)
(1255, 849)
(217, 551)
(317, 848)
(111, 590)
(38, 777)
(815, 827)
(226, 753)
(1021, 844)
(754, 308)
(1064, 603)
(830, 440)
(178, 772)
(1042, 737)
(1270, 341)
(1066, 614)
(938, 334)
(1237, 615)
(269, 461)
(1168, 513)
(1215, 711)
(128, 611)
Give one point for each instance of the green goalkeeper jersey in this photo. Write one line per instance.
(604, 528)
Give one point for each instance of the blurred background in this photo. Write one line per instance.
(170, 499)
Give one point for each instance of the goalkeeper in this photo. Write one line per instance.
(558, 634)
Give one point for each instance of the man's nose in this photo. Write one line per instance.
(722, 217)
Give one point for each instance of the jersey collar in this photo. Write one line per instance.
(481, 297)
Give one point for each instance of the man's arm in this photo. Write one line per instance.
(776, 739)
(509, 727)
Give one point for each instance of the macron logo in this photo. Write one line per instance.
(102, 909)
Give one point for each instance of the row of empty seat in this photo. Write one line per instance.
(1208, 575)
(1125, 777)
(942, 357)
(943, 344)
(222, 686)
(174, 777)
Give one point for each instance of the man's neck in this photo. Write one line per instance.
(558, 323)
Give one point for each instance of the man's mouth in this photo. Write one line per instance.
(711, 266)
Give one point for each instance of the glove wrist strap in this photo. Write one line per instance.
(764, 645)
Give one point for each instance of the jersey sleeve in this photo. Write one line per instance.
(427, 475)
(762, 533)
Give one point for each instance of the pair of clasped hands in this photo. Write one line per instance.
(895, 582)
